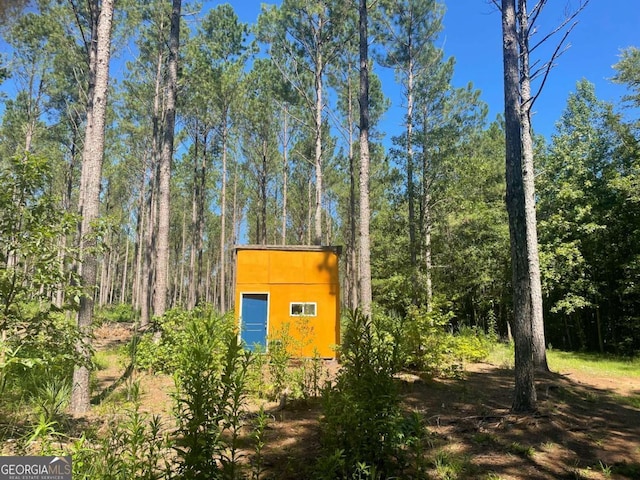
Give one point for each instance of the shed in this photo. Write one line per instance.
(289, 290)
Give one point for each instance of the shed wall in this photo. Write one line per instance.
(295, 276)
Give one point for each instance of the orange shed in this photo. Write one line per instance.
(292, 291)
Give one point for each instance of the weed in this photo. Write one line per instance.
(522, 450)
(483, 438)
(361, 411)
(257, 462)
(605, 469)
(449, 466)
(211, 384)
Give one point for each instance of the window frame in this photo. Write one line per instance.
(303, 306)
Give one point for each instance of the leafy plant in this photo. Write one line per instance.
(362, 417)
(211, 382)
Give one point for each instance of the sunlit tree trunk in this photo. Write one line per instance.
(537, 319)
(164, 193)
(285, 172)
(525, 393)
(89, 204)
(223, 218)
(365, 212)
(317, 236)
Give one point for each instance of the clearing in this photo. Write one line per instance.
(587, 425)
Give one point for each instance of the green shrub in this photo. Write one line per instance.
(122, 312)
(425, 341)
(36, 331)
(211, 382)
(362, 425)
(159, 351)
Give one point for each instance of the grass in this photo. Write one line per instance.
(590, 363)
(594, 363)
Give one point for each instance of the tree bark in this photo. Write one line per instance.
(352, 257)
(528, 173)
(164, 193)
(409, 152)
(365, 211)
(525, 393)
(317, 236)
(89, 205)
(223, 218)
(426, 219)
(285, 172)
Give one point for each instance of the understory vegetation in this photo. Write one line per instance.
(217, 422)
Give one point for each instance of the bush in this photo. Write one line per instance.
(425, 340)
(362, 426)
(36, 332)
(122, 312)
(211, 381)
(160, 351)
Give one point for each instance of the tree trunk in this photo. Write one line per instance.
(365, 241)
(89, 205)
(139, 252)
(285, 172)
(125, 271)
(317, 236)
(409, 152)
(525, 393)
(164, 193)
(352, 249)
(262, 222)
(528, 173)
(148, 272)
(426, 219)
(223, 218)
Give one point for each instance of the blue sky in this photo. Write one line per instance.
(472, 35)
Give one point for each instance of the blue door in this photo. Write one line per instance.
(254, 320)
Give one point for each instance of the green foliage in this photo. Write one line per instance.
(121, 312)
(160, 351)
(588, 220)
(136, 445)
(36, 331)
(257, 460)
(211, 383)
(424, 340)
(362, 424)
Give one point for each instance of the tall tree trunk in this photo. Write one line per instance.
(426, 218)
(148, 270)
(351, 265)
(317, 236)
(223, 218)
(183, 255)
(193, 284)
(89, 205)
(539, 348)
(262, 222)
(139, 251)
(409, 152)
(525, 393)
(365, 212)
(285, 172)
(125, 271)
(164, 194)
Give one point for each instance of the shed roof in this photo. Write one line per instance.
(337, 249)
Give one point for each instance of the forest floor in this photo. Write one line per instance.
(587, 425)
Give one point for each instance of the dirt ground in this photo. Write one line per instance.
(584, 428)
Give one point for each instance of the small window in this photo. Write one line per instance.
(303, 309)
